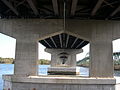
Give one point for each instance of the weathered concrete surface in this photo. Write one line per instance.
(101, 64)
(84, 28)
(50, 27)
(43, 27)
(60, 83)
(26, 55)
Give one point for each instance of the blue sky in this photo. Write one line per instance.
(7, 48)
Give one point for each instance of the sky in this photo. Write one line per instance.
(7, 48)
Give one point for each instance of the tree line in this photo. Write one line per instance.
(12, 60)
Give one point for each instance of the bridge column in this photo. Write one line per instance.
(101, 63)
(26, 56)
(63, 61)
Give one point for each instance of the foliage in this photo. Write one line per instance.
(43, 61)
(11, 61)
(117, 62)
(6, 60)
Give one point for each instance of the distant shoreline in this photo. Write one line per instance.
(85, 63)
(116, 67)
(11, 61)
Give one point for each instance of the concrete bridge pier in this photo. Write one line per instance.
(101, 52)
(26, 56)
(63, 61)
(101, 59)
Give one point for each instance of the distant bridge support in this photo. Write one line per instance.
(63, 61)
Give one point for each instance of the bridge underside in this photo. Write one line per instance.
(49, 9)
(64, 41)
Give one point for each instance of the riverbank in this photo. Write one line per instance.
(6, 60)
(85, 63)
(12, 60)
(116, 67)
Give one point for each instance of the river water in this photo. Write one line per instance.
(9, 69)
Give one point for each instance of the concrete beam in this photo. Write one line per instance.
(73, 7)
(83, 29)
(80, 44)
(61, 44)
(97, 6)
(78, 28)
(74, 42)
(55, 6)
(46, 28)
(71, 51)
(8, 4)
(32, 5)
(115, 11)
(53, 42)
(67, 40)
(6, 27)
(47, 43)
(16, 5)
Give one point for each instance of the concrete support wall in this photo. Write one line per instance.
(101, 62)
(58, 83)
(24, 86)
(36, 86)
(26, 56)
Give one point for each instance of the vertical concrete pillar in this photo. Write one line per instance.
(26, 56)
(54, 60)
(101, 62)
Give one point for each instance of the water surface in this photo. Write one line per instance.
(9, 69)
